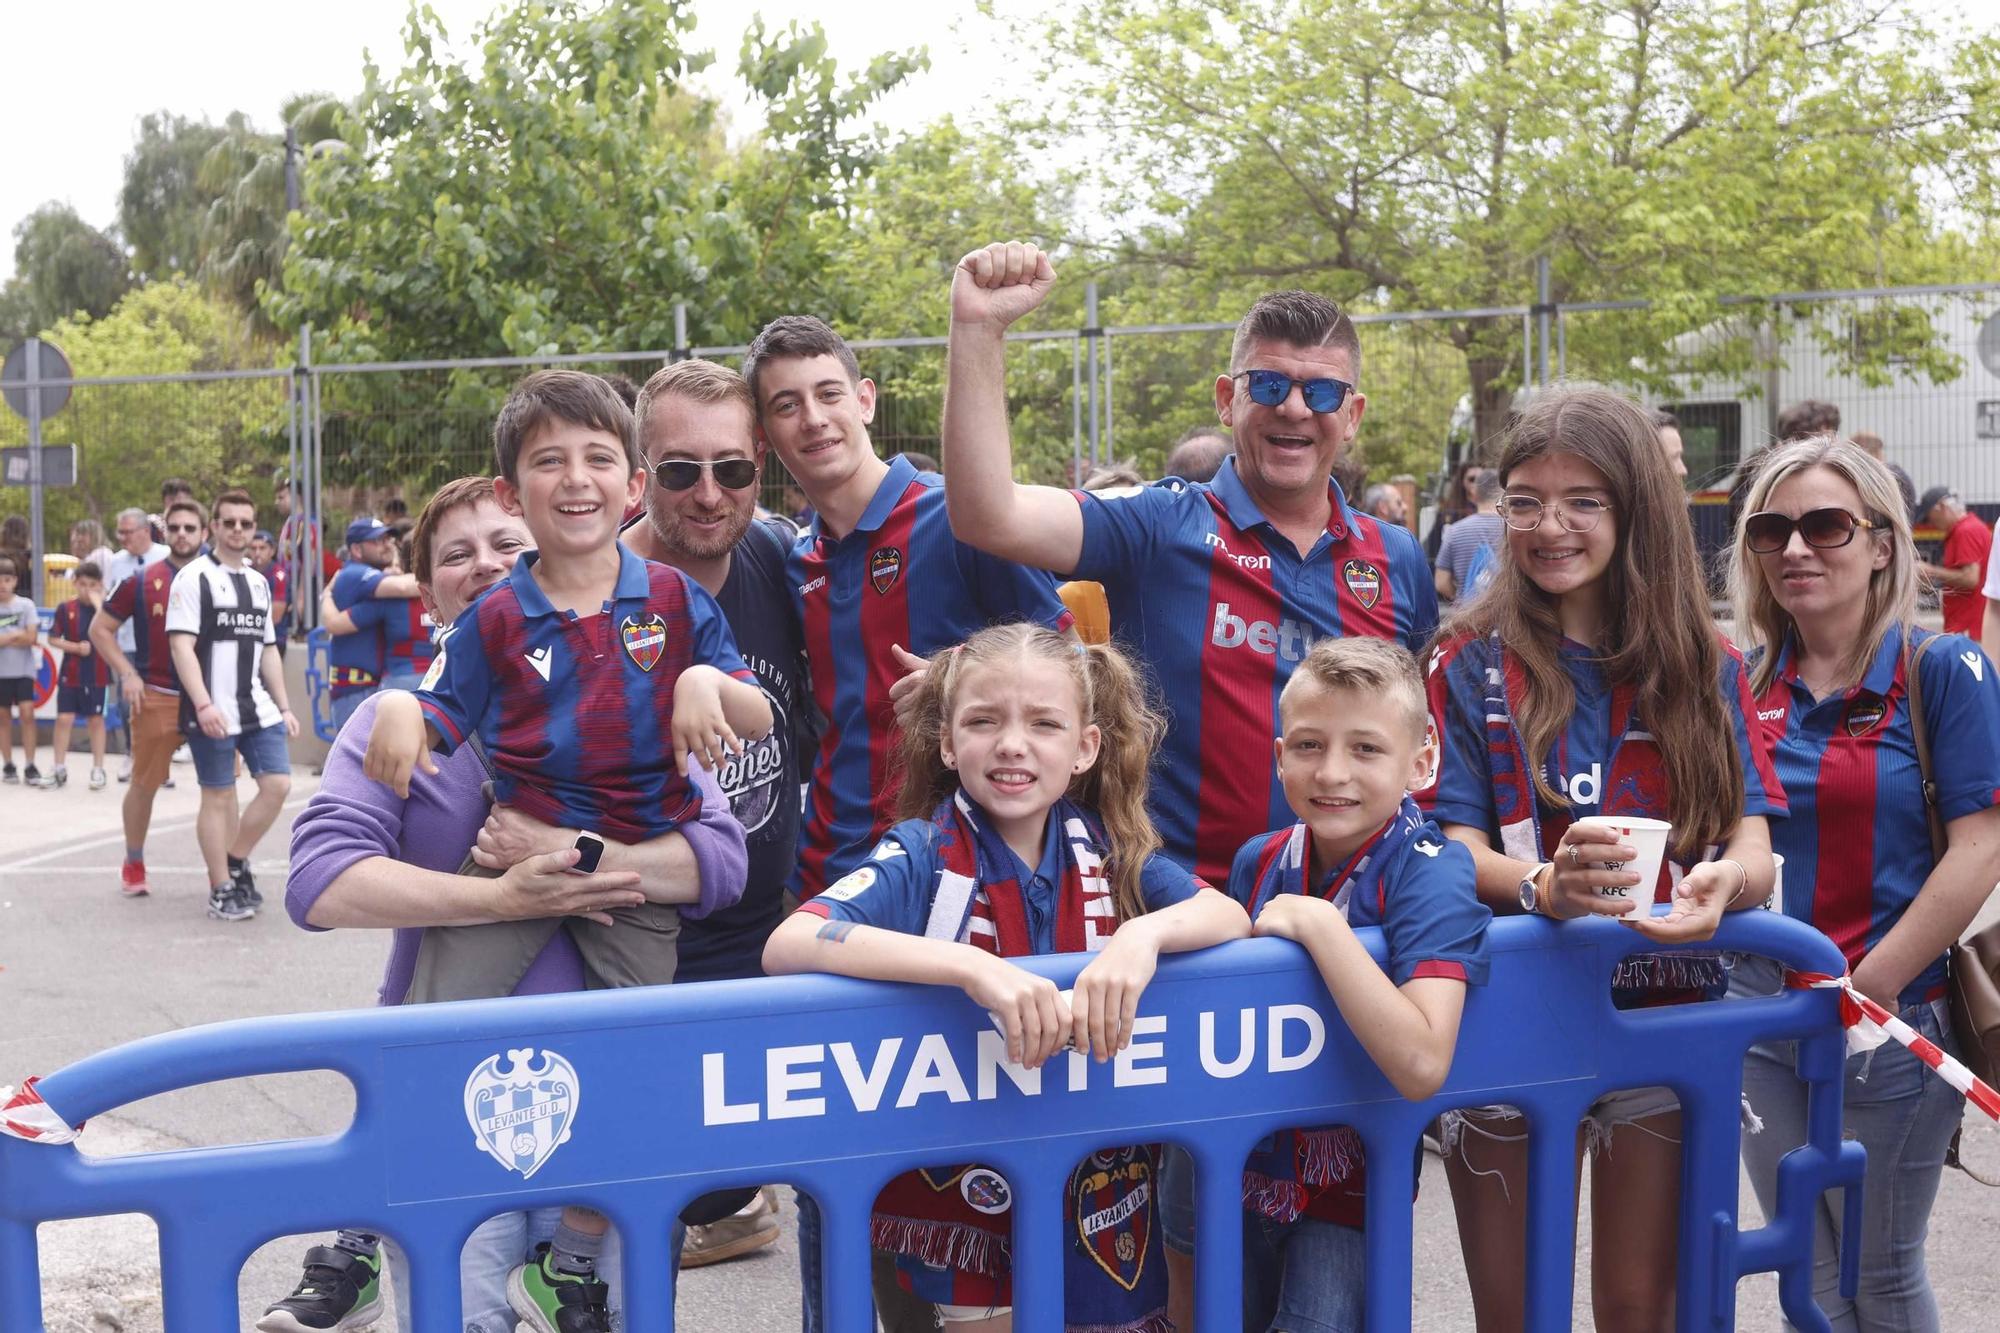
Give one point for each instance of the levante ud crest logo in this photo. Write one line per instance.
(885, 566)
(1112, 1199)
(1364, 581)
(521, 1110)
(644, 639)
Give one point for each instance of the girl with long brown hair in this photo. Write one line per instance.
(1590, 680)
(1024, 761)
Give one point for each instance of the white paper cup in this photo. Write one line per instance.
(1647, 837)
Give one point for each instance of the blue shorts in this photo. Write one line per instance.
(81, 700)
(264, 751)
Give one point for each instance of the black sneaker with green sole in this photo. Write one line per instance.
(340, 1290)
(552, 1301)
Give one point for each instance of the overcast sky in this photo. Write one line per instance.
(82, 73)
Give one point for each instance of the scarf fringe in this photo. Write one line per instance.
(1329, 1156)
(1279, 1200)
(954, 1245)
(1669, 971)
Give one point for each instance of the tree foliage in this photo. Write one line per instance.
(62, 266)
(1399, 154)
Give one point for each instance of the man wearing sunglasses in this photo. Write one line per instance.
(147, 682)
(1961, 569)
(1221, 586)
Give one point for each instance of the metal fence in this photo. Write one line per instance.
(1918, 366)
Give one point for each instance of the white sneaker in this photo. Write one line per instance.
(183, 755)
(125, 769)
(97, 779)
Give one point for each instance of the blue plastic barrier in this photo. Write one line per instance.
(641, 1100)
(318, 673)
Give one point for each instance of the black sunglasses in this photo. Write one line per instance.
(1766, 532)
(1270, 388)
(684, 474)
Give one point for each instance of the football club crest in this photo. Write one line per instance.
(1364, 581)
(885, 566)
(1864, 715)
(1112, 1198)
(985, 1191)
(644, 639)
(521, 1111)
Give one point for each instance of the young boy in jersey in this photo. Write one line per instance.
(1353, 747)
(588, 679)
(17, 668)
(81, 682)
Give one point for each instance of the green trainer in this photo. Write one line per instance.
(552, 1301)
(340, 1290)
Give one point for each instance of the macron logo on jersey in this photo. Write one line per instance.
(1287, 639)
(1973, 664)
(539, 660)
(1241, 561)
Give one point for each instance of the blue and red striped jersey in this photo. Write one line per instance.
(576, 713)
(1222, 607)
(1459, 677)
(141, 602)
(406, 631)
(899, 577)
(79, 669)
(357, 660)
(1857, 848)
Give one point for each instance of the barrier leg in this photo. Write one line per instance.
(1218, 1236)
(647, 1286)
(433, 1261)
(1551, 1219)
(198, 1278)
(844, 1214)
(1039, 1200)
(21, 1295)
(1392, 1170)
(1711, 1121)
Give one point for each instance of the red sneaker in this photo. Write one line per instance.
(132, 877)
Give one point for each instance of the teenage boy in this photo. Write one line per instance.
(147, 682)
(876, 577)
(590, 677)
(1221, 586)
(232, 702)
(1352, 749)
(18, 629)
(81, 681)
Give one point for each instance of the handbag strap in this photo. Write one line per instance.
(1914, 687)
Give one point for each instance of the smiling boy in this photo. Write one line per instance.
(589, 679)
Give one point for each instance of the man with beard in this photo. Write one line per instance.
(147, 681)
(697, 436)
(357, 661)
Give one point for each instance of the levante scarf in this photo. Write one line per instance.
(951, 1227)
(1635, 784)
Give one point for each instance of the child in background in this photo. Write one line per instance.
(588, 680)
(18, 628)
(1354, 746)
(1024, 831)
(81, 683)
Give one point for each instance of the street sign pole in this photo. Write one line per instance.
(35, 470)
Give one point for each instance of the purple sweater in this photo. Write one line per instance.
(351, 818)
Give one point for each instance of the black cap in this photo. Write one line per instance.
(1928, 501)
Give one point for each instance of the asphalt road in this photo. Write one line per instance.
(83, 969)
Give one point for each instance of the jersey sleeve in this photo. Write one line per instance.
(1163, 882)
(891, 890)
(184, 602)
(1455, 686)
(352, 586)
(1966, 544)
(64, 626)
(1121, 529)
(1243, 871)
(1010, 591)
(455, 692)
(1962, 714)
(1432, 919)
(710, 642)
(372, 613)
(1755, 743)
(124, 598)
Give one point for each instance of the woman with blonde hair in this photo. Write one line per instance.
(1826, 598)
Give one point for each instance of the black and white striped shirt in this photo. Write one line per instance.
(228, 611)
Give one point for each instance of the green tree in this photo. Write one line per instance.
(62, 265)
(1398, 154)
(162, 204)
(130, 436)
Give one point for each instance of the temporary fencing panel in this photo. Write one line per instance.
(635, 1102)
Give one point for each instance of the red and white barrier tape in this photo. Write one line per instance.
(1868, 1023)
(24, 1115)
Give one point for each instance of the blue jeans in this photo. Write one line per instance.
(264, 750)
(1305, 1276)
(1904, 1115)
(344, 706)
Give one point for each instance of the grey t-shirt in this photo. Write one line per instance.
(1464, 540)
(16, 660)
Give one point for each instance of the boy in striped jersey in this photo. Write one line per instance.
(232, 702)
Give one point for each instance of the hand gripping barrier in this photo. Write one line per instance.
(837, 1085)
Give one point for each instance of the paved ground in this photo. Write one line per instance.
(82, 969)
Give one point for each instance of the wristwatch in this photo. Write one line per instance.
(1530, 896)
(589, 849)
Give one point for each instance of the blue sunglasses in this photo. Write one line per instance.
(1270, 388)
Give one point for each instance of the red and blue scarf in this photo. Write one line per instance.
(951, 1227)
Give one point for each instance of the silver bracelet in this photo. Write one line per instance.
(1742, 883)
